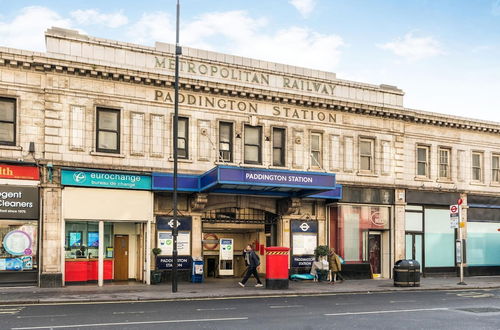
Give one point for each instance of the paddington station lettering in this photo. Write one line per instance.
(211, 102)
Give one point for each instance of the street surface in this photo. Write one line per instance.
(464, 309)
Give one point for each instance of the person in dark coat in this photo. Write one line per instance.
(252, 261)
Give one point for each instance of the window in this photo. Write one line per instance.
(108, 130)
(7, 121)
(477, 166)
(182, 138)
(278, 146)
(366, 155)
(316, 146)
(226, 142)
(423, 161)
(444, 163)
(495, 168)
(253, 144)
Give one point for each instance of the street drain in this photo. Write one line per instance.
(480, 310)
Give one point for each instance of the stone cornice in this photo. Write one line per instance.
(40, 62)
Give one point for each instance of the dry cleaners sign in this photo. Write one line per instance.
(105, 180)
(18, 202)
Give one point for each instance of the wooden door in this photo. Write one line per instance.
(121, 258)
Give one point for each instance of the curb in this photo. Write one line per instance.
(253, 295)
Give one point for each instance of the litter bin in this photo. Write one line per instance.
(277, 267)
(406, 273)
(197, 272)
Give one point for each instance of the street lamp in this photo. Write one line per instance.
(178, 52)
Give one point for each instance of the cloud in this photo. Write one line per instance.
(247, 36)
(305, 7)
(495, 8)
(93, 16)
(25, 31)
(414, 48)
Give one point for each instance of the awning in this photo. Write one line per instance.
(253, 181)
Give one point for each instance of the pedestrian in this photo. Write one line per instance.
(335, 266)
(252, 261)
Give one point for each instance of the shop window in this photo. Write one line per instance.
(18, 245)
(483, 245)
(278, 146)
(253, 145)
(477, 166)
(439, 238)
(183, 138)
(226, 142)
(82, 240)
(108, 130)
(7, 121)
(316, 147)
(423, 161)
(366, 155)
(495, 168)
(444, 163)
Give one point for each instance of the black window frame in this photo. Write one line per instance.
(282, 159)
(259, 162)
(117, 131)
(185, 138)
(13, 122)
(230, 142)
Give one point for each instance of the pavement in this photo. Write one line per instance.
(224, 288)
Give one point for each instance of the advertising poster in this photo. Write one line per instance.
(165, 243)
(93, 239)
(226, 249)
(75, 238)
(304, 244)
(17, 243)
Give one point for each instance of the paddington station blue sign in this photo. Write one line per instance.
(220, 179)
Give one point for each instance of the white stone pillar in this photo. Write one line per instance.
(100, 267)
(148, 249)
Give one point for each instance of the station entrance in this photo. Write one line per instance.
(226, 233)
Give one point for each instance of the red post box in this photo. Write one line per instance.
(277, 267)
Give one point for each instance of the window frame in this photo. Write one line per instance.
(118, 130)
(319, 162)
(13, 122)
(481, 165)
(371, 156)
(447, 164)
(185, 138)
(495, 171)
(230, 143)
(427, 161)
(245, 144)
(282, 160)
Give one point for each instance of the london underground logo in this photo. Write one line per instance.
(79, 177)
(304, 226)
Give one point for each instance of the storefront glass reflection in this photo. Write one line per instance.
(82, 239)
(18, 245)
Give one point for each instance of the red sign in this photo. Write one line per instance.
(453, 209)
(19, 172)
(460, 201)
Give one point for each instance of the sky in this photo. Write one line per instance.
(444, 54)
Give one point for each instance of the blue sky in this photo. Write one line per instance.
(444, 54)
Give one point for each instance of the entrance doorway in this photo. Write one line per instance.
(414, 248)
(374, 253)
(121, 258)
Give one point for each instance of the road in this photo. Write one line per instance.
(475, 309)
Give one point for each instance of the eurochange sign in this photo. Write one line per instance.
(105, 180)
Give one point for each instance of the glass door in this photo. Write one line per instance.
(414, 248)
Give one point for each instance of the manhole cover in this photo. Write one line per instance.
(480, 310)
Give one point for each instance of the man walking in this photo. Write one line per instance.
(252, 261)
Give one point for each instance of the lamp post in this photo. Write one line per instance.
(178, 52)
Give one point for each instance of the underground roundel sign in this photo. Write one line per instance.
(304, 226)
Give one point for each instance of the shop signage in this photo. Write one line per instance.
(19, 202)
(299, 226)
(167, 223)
(167, 262)
(105, 180)
(19, 172)
(302, 261)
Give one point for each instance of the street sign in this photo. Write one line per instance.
(454, 216)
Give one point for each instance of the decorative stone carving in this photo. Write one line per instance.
(289, 206)
(199, 202)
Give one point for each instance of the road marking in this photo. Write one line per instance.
(287, 306)
(401, 301)
(390, 311)
(215, 309)
(131, 323)
(11, 310)
(34, 316)
(138, 312)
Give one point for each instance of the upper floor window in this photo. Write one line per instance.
(444, 163)
(108, 130)
(7, 121)
(253, 145)
(226, 142)
(183, 137)
(278, 146)
(495, 168)
(477, 166)
(316, 147)
(366, 155)
(423, 161)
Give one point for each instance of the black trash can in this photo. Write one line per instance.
(406, 273)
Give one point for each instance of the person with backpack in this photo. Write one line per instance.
(252, 261)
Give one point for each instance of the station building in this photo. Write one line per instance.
(269, 155)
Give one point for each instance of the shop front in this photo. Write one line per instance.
(107, 226)
(19, 225)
